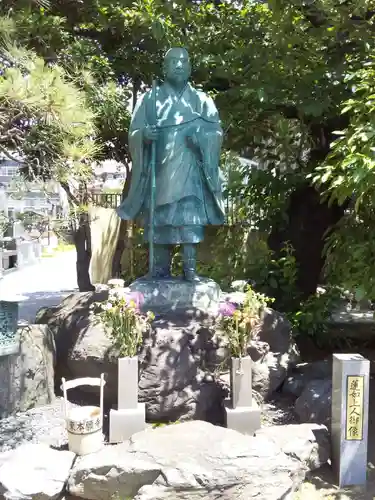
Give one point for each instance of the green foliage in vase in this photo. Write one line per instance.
(236, 322)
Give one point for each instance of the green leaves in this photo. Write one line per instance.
(44, 118)
(350, 167)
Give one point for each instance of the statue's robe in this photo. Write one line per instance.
(188, 192)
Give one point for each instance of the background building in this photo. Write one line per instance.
(47, 199)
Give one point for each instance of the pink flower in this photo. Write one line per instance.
(137, 298)
(227, 308)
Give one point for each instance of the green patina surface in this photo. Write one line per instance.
(182, 124)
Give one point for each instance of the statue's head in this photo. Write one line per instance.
(177, 68)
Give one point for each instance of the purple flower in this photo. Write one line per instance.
(227, 308)
(137, 298)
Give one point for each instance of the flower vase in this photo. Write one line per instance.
(127, 383)
(240, 382)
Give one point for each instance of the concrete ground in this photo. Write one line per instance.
(43, 284)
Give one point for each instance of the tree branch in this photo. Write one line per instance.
(10, 156)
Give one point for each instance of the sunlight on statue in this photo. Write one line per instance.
(182, 124)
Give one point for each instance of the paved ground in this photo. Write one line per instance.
(44, 284)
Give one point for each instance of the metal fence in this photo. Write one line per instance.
(113, 200)
(106, 200)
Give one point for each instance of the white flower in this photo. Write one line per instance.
(236, 297)
(320, 290)
(107, 306)
(118, 293)
(239, 285)
(116, 283)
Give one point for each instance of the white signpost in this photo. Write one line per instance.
(350, 406)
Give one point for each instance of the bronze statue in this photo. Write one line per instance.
(175, 135)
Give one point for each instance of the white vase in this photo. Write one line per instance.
(127, 396)
(240, 382)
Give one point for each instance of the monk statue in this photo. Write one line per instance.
(184, 125)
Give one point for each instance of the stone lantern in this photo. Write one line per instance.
(9, 313)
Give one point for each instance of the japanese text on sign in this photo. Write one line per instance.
(354, 408)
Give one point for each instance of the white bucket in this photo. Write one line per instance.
(84, 426)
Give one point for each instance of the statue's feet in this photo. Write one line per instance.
(161, 274)
(191, 275)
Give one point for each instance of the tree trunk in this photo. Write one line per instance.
(82, 242)
(309, 219)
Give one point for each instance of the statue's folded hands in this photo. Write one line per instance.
(150, 133)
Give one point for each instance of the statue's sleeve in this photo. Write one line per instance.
(211, 140)
(209, 110)
(136, 129)
(139, 152)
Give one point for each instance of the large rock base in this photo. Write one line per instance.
(27, 376)
(194, 460)
(178, 363)
(174, 294)
(190, 460)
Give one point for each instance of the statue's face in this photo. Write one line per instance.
(177, 67)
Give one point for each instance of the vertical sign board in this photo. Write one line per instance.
(354, 407)
(349, 423)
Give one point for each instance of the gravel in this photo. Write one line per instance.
(38, 425)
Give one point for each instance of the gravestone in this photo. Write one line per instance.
(350, 405)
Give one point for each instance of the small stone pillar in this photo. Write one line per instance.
(242, 412)
(349, 426)
(130, 417)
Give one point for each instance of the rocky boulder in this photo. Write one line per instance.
(192, 460)
(270, 370)
(177, 360)
(304, 373)
(27, 377)
(43, 477)
(309, 443)
(314, 403)
(172, 380)
(42, 425)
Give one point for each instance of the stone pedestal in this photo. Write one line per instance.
(242, 412)
(125, 423)
(350, 405)
(175, 294)
(245, 419)
(130, 417)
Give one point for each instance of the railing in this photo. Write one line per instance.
(106, 200)
(113, 200)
